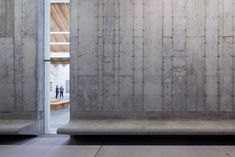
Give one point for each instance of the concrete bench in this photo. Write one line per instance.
(18, 127)
(60, 104)
(149, 127)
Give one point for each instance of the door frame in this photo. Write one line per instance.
(47, 64)
(47, 61)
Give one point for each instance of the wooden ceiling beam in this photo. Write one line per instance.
(54, 27)
(60, 27)
(57, 19)
(65, 10)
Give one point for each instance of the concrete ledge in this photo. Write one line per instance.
(149, 127)
(18, 127)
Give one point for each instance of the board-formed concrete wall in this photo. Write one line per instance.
(150, 57)
(21, 59)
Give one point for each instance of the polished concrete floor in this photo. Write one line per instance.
(59, 118)
(117, 146)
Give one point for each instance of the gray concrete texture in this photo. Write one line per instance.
(128, 57)
(158, 56)
(148, 127)
(21, 59)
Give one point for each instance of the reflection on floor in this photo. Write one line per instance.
(58, 118)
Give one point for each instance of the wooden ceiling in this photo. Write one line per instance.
(60, 21)
(63, 61)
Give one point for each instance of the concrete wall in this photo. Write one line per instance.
(152, 58)
(21, 59)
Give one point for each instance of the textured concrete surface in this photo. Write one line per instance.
(21, 60)
(19, 54)
(153, 151)
(22, 127)
(152, 56)
(48, 151)
(148, 127)
(128, 58)
(117, 151)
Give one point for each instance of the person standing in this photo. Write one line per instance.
(56, 91)
(61, 92)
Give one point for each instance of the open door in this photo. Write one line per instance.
(58, 66)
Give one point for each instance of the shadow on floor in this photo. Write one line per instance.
(117, 140)
(15, 139)
(152, 140)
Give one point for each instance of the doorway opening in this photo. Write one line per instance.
(58, 67)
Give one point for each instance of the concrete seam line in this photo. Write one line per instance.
(98, 151)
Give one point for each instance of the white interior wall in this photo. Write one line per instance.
(58, 76)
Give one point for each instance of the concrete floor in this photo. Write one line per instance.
(59, 118)
(117, 146)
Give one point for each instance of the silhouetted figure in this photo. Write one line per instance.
(62, 92)
(57, 91)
